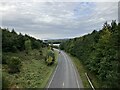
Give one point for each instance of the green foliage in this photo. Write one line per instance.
(9, 41)
(14, 64)
(37, 44)
(4, 59)
(13, 42)
(28, 46)
(34, 72)
(100, 53)
(50, 57)
(31, 67)
(5, 82)
(57, 47)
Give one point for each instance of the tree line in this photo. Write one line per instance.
(99, 51)
(17, 51)
(13, 42)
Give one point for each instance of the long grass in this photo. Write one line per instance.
(34, 72)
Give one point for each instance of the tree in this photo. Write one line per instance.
(100, 53)
(14, 64)
(28, 46)
(50, 56)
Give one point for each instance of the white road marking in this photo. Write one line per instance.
(52, 77)
(63, 84)
(77, 79)
(66, 57)
(90, 81)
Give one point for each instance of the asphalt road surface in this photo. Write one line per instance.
(65, 75)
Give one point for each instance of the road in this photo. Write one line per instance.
(65, 75)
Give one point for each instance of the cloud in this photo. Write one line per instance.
(45, 20)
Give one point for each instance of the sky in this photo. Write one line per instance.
(56, 20)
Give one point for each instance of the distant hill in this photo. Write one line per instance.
(55, 41)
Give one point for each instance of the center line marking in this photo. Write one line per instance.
(63, 84)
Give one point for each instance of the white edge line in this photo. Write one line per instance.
(75, 73)
(63, 84)
(90, 81)
(76, 77)
(52, 77)
(73, 68)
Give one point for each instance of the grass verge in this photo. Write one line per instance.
(82, 70)
(34, 72)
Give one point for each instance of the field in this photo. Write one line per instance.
(34, 72)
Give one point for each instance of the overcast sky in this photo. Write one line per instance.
(53, 20)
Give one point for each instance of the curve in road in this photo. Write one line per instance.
(65, 75)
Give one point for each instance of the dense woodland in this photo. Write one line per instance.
(13, 42)
(99, 51)
(23, 55)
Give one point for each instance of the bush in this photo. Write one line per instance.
(40, 51)
(5, 82)
(14, 65)
(4, 59)
(50, 57)
(28, 46)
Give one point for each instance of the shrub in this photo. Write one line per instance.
(50, 57)
(40, 51)
(5, 82)
(4, 59)
(14, 65)
(28, 46)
